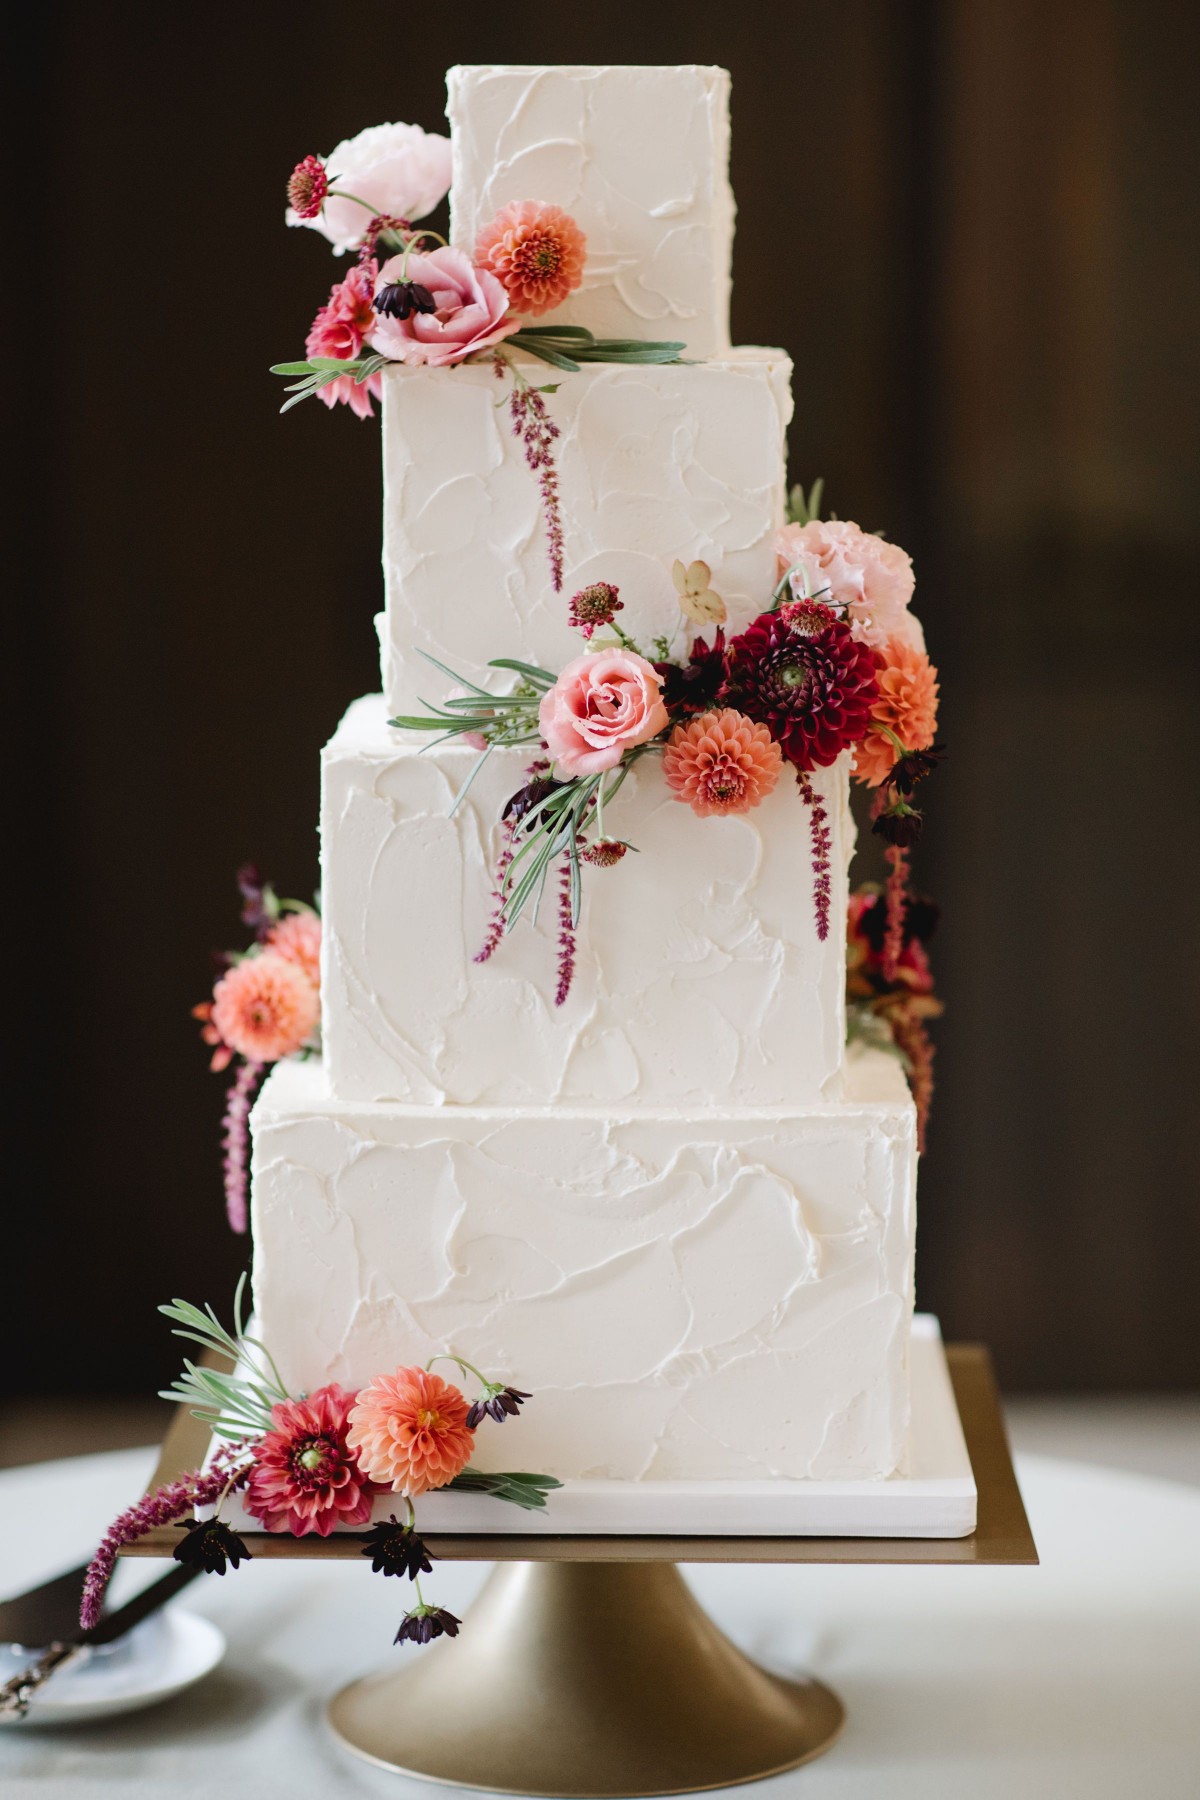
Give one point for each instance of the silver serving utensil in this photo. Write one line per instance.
(15, 1695)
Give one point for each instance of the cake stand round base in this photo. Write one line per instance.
(593, 1679)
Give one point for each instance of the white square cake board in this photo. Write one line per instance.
(935, 1499)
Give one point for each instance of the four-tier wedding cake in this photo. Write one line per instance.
(648, 1183)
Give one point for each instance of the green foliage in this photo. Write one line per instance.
(802, 511)
(235, 1402)
(528, 1491)
(320, 371)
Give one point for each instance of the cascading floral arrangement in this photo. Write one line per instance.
(890, 996)
(414, 299)
(835, 663)
(266, 1005)
(313, 1463)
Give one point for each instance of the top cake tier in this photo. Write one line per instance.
(638, 156)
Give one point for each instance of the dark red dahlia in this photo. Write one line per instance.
(307, 187)
(812, 689)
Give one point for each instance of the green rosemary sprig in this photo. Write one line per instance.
(233, 1402)
(517, 1488)
(569, 346)
(316, 372)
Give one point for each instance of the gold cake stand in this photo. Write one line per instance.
(588, 1668)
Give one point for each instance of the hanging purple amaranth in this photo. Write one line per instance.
(896, 902)
(566, 933)
(229, 1469)
(532, 424)
(495, 928)
(235, 1141)
(822, 843)
(912, 1038)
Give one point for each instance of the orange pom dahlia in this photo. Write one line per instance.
(721, 762)
(907, 704)
(536, 253)
(410, 1431)
(265, 1007)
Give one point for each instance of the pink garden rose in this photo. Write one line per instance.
(471, 310)
(600, 706)
(399, 170)
(849, 567)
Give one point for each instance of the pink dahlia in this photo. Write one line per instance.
(297, 938)
(265, 1007)
(906, 703)
(340, 330)
(469, 310)
(814, 688)
(305, 1476)
(536, 252)
(855, 570)
(410, 1431)
(721, 762)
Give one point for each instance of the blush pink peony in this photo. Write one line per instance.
(848, 567)
(399, 170)
(265, 1008)
(600, 706)
(471, 310)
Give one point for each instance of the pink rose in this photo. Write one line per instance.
(849, 567)
(470, 310)
(600, 706)
(397, 169)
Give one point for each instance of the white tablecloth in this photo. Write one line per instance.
(1078, 1680)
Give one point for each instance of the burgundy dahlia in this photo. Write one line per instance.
(812, 689)
(306, 1477)
(307, 187)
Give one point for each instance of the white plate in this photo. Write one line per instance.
(164, 1655)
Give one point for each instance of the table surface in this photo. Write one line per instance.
(1075, 1679)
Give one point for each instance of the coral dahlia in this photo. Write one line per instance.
(536, 252)
(813, 689)
(721, 762)
(410, 1431)
(906, 703)
(305, 1476)
(265, 1007)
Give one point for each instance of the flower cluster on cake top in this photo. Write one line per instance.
(316, 1463)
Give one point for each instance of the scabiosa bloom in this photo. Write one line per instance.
(297, 938)
(265, 1007)
(721, 762)
(306, 1477)
(814, 690)
(536, 252)
(906, 704)
(210, 1545)
(604, 853)
(307, 187)
(596, 604)
(425, 1623)
(410, 1431)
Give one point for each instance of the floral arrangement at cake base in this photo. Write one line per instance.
(890, 996)
(316, 1463)
(266, 1005)
(834, 664)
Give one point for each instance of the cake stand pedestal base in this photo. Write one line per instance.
(583, 1678)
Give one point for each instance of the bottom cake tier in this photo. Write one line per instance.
(724, 1297)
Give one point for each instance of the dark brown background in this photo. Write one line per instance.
(974, 226)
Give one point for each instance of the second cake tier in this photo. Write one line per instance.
(699, 976)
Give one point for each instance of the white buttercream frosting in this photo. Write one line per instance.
(699, 977)
(653, 463)
(640, 159)
(717, 1295)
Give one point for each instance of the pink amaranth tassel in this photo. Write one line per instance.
(537, 432)
(230, 1469)
(495, 930)
(235, 1141)
(822, 842)
(566, 933)
(896, 901)
(912, 1037)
